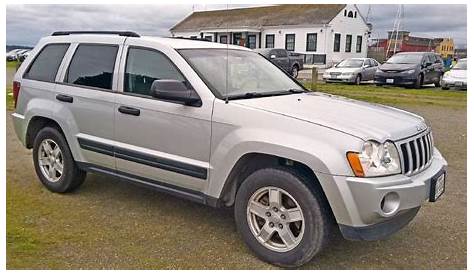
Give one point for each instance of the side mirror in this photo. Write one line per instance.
(273, 56)
(427, 64)
(175, 91)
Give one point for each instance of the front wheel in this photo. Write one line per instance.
(357, 80)
(54, 163)
(418, 82)
(281, 216)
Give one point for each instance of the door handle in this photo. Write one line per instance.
(129, 110)
(64, 98)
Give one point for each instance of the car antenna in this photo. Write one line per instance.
(227, 60)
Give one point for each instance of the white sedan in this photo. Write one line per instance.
(352, 70)
(456, 77)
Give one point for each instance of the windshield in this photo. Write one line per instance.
(461, 65)
(248, 73)
(350, 63)
(405, 59)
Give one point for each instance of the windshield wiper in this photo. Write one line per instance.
(249, 95)
(293, 90)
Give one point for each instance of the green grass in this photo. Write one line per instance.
(395, 95)
(12, 64)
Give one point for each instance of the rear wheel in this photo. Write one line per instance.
(294, 71)
(281, 217)
(54, 163)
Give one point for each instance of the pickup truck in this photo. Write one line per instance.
(289, 61)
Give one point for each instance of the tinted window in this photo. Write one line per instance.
(145, 66)
(92, 66)
(45, 66)
(405, 59)
(281, 53)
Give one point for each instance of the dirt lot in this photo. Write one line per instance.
(111, 224)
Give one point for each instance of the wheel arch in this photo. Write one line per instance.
(35, 124)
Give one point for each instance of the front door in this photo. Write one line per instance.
(156, 140)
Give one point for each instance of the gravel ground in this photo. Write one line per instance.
(110, 224)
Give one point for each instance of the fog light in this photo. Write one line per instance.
(390, 203)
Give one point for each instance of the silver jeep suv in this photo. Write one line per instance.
(221, 125)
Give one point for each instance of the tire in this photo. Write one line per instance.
(445, 88)
(70, 176)
(294, 71)
(437, 83)
(357, 80)
(315, 225)
(419, 82)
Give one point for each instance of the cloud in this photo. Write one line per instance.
(26, 24)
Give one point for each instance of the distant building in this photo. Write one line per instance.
(325, 34)
(403, 42)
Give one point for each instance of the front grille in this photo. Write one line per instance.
(416, 153)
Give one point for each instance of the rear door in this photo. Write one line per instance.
(87, 89)
(159, 141)
(283, 60)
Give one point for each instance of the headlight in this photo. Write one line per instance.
(379, 70)
(411, 71)
(375, 159)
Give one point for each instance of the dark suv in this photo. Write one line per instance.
(411, 69)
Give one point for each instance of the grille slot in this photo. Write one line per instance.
(416, 153)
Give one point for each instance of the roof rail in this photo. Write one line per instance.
(120, 33)
(192, 38)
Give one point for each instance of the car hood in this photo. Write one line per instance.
(457, 73)
(360, 119)
(397, 67)
(342, 70)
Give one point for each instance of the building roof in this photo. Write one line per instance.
(301, 14)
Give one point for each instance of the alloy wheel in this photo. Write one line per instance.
(275, 219)
(50, 160)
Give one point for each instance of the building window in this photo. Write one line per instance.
(252, 41)
(208, 38)
(337, 42)
(311, 41)
(223, 39)
(359, 44)
(290, 42)
(350, 14)
(348, 43)
(270, 41)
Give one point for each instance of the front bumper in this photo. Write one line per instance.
(356, 202)
(453, 83)
(399, 79)
(339, 78)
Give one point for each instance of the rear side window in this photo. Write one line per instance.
(46, 64)
(93, 66)
(145, 66)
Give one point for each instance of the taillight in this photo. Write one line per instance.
(16, 91)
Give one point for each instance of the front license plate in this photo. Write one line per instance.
(437, 187)
(458, 84)
(389, 81)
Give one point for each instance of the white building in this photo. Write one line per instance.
(324, 33)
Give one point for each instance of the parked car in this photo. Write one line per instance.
(456, 77)
(352, 70)
(413, 69)
(12, 55)
(163, 113)
(22, 55)
(289, 61)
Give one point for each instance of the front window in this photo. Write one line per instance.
(311, 41)
(246, 73)
(359, 44)
(461, 65)
(405, 59)
(270, 41)
(348, 43)
(350, 63)
(337, 42)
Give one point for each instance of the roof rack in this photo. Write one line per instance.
(192, 38)
(120, 33)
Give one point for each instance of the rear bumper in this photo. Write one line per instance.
(357, 202)
(20, 126)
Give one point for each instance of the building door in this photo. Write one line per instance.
(237, 39)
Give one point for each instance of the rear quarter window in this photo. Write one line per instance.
(46, 64)
(92, 66)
